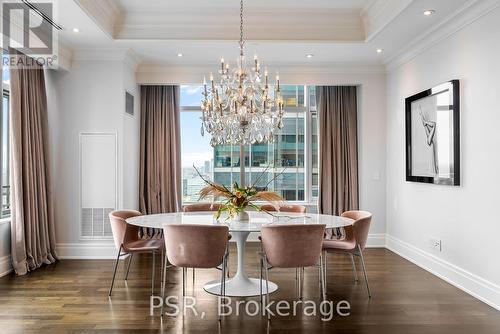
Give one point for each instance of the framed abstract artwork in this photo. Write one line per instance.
(433, 135)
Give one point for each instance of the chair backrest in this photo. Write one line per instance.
(195, 245)
(360, 228)
(285, 208)
(123, 232)
(201, 207)
(294, 245)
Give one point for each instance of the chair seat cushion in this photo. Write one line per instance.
(345, 245)
(147, 245)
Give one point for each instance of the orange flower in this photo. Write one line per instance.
(238, 194)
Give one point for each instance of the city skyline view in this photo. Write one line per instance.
(284, 160)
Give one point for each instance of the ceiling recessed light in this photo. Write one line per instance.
(76, 30)
(429, 12)
(179, 54)
(380, 50)
(309, 55)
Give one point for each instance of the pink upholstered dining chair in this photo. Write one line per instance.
(198, 207)
(127, 242)
(285, 208)
(201, 207)
(353, 243)
(294, 208)
(291, 246)
(195, 246)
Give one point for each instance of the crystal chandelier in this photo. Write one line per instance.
(241, 108)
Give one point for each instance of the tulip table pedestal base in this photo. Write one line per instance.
(240, 285)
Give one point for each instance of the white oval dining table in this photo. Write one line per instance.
(240, 285)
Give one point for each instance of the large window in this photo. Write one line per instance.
(293, 157)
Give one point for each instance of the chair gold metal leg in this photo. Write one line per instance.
(322, 277)
(261, 297)
(184, 270)
(354, 271)
(128, 265)
(164, 282)
(364, 271)
(324, 261)
(267, 286)
(223, 282)
(153, 275)
(114, 272)
(298, 283)
(184, 274)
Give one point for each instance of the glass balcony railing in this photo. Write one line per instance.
(5, 197)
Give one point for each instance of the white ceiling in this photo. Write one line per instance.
(281, 32)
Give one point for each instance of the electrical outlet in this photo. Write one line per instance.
(435, 244)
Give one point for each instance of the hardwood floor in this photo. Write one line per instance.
(72, 297)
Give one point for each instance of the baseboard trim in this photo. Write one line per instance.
(376, 240)
(5, 265)
(86, 251)
(476, 286)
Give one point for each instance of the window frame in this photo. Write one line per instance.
(309, 200)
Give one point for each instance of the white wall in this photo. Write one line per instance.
(131, 143)
(90, 98)
(371, 121)
(464, 217)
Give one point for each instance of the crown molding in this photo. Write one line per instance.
(65, 54)
(462, 17)
(105, 13)
(331, 68)
(221, 24)
(103, 54)
(132, 59)
(125, 55)
(378, 14)
(334, 73)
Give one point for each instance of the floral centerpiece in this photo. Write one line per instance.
(237, 199)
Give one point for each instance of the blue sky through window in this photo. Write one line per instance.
(195, 148)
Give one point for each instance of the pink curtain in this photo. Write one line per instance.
(338, 149)
(32, 221)
(160, 164)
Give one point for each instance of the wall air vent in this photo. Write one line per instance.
(98, 183)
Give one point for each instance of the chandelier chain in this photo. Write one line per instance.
(241, 27)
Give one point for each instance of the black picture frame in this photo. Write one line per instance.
(430, 121)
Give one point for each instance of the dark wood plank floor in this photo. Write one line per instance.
(71, 297)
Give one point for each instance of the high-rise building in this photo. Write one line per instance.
(207, 167)
(283, 159)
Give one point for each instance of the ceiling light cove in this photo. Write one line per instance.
(76, 30)
(179, 55)
(429, 12)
